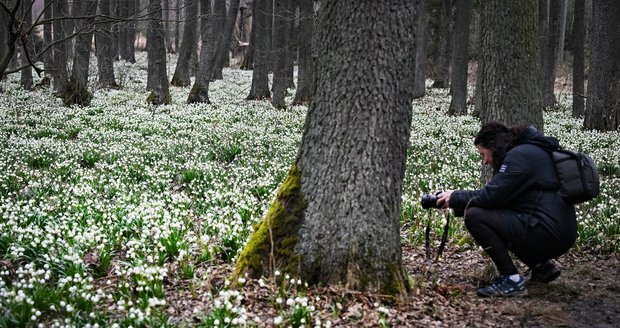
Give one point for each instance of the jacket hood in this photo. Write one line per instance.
(532, 136)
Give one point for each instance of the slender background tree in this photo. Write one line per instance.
(261, 46)
(181, 76)
(421, 32)
(305, 67)
(460, 59)
(200, 89)
(578, 59)
(157, 74)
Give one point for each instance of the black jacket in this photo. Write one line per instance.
(526, 187)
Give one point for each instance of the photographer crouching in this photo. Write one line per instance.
(518, 210)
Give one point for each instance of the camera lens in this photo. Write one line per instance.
(428, 201)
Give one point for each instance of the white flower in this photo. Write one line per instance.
(277, 320)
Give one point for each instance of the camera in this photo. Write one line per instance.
(430, 201)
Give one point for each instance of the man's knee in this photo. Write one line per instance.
(474, 216)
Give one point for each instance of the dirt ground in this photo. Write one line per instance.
(587, 294)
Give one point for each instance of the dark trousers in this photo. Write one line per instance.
(499, 231)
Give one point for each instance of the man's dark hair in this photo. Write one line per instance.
(499, 139)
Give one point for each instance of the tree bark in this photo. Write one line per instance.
(421, 32)
(4, 39)
(335, 219)
(47, 38)
(77, 92)
(181, 76)
(291, 44)
(167, 27)
(280, 44)
(460, 59)
(128, 31)
(219, 22)
(200, 89)
(177, 24)
(549, 50)
(562, 30)
(60, 54)
(160, 92)
(306, 66)
(8, 36)
(260, 74)
(223, 50)
(603, 102)
(510, 89)
(247, 63)
(442, 76)
(27, 45)
(105, 55)
(115, 35)
(578, 59)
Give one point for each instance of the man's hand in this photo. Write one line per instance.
(443, 199)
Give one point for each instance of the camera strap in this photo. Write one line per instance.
(444, 238)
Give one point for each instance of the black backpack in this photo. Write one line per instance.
(578, 175)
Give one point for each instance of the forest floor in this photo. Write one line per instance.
(587, 294)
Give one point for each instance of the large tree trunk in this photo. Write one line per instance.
(578, 59)
(105, 54)
(510, 89)
(460, 59)
(421, 32)
(442, 76)
(160, 92)
(181, 75)
(224, 49)
(335, 219)
(603, 103)
(306, 66)
(282, 14)
(77, 92)
(200, 89)
(260, 74)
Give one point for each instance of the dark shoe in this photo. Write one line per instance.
(545, 272)
(504, 287)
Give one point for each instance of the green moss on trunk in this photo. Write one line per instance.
(272, 245)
